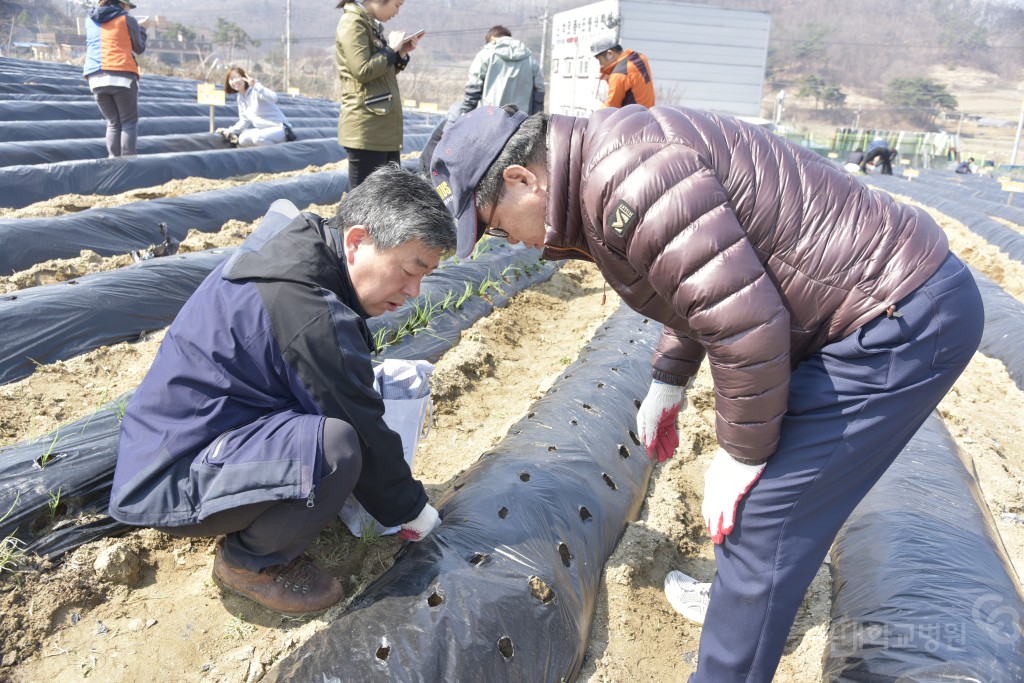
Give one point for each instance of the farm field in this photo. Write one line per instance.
(166, 620)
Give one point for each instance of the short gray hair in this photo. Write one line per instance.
(528, 146)
(397, 206)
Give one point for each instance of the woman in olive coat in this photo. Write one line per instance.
(370, 126)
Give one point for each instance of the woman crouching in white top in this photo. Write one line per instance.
(260, 122)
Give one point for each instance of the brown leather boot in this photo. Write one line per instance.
(299, 588)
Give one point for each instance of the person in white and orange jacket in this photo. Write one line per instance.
(112, 39)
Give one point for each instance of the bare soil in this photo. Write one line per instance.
(164, 619)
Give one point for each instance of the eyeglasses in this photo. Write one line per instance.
(495, 231)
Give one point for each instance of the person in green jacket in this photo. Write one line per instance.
(370, 126)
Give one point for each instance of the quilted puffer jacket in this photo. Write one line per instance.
(748, 248)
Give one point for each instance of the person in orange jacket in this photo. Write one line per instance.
(628, 74)
(113, 37)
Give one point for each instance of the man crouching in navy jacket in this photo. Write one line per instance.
(259, 418)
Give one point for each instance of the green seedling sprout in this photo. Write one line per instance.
(466, 293)
(380, 339)
(447, 301)
(482, 247)
(54, 503)
(119, 408)
(422, 313)
(11, 551)
(369, 530)
(510, 272)
(490, 283)
(11, 554)
(399, 334)
(45, 458)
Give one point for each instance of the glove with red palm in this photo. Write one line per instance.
(419, 528)
(656, 420)
(726, 481)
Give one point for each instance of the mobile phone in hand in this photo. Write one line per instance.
(413, 36)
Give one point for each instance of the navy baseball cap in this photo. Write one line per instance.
(462, 156)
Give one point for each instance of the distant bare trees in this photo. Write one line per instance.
(231, 36)
(920, 100)
(864, 45)
(11, 18)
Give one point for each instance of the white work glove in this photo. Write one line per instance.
(420, 528)
(726, 481)
(221, 131)
(656, 421)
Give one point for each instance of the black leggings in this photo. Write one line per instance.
(276, 532)
(363, 162)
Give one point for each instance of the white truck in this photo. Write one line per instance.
(701, 56)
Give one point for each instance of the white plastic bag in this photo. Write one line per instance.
(405, 386)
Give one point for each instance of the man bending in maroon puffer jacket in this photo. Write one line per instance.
(834, 320)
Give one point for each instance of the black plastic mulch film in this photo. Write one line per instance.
(1004, 328)
(505, 589)
(957, 201)
(24, 185)
(24, 242)
(923, 590)
(31, 173)
(35, 323)
(41, 325)
(83, 107)
(41, 132)
(32, 152)
(971, 201)
(78, 459)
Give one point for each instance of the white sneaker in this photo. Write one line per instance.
(688, 596)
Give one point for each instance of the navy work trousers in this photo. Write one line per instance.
(853, 406)
(276, 532)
